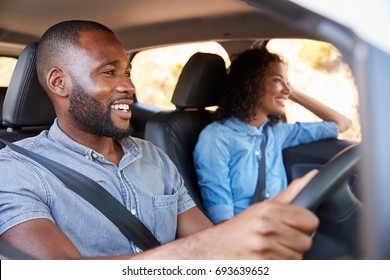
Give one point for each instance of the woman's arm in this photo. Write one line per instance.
(322, 111)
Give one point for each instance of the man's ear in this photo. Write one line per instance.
(56, 81)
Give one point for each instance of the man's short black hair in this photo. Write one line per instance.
(58, 39)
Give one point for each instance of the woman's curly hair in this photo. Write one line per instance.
(244, 84)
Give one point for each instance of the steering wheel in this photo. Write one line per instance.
(329, 195)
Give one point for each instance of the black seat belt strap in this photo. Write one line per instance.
(99, 197)
(260, 187)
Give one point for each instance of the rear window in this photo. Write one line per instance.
(156, 71)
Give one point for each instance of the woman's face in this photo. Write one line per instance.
(276, 90)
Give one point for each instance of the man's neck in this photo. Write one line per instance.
(109, 148)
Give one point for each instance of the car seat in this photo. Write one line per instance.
(176, 132)
(3, 90)
(27, 109)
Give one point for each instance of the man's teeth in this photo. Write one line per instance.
(121, 107)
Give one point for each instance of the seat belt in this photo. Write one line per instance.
(99, 197)
(260, 186)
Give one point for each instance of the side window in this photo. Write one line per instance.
(318, 70)
(315, 68)
(7, 65)
(156, 71)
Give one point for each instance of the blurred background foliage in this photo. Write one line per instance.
(319, 55)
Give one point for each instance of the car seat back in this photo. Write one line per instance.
(27, 109)
(176, 132)
(3, 90)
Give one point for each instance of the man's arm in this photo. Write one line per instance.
(192, 221)
(42, 239)
(266, 230)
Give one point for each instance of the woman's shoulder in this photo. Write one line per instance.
(216, 126)
(215, 132)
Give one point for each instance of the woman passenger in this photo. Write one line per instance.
(228, 151)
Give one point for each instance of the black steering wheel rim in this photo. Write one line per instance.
(329, 195)
(330, 178)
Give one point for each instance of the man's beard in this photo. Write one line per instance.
(92, 116)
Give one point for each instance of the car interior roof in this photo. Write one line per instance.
(223, 20)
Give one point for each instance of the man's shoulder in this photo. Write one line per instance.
(29, 143)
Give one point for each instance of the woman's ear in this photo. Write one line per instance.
(56, 82)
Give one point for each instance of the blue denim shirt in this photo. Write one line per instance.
(227, 157)
(145, 181)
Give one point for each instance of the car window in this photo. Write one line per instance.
(156, 71)
(315, 68)
(7, 65)
(318, 69)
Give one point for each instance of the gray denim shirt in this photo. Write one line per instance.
(145, 181)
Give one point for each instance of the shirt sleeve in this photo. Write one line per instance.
(302, 133)
(211, 159)
(185, 201)
(23, 195)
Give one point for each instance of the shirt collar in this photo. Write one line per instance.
(242, 127)
(129, 146)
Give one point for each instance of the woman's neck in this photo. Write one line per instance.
(258, 120)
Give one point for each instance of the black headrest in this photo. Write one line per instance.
(26, 104)
(201, 82)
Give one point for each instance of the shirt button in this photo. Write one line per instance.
(133, 211)
(138, 250)
(267, 195)
(257, 152)
(94, 155)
